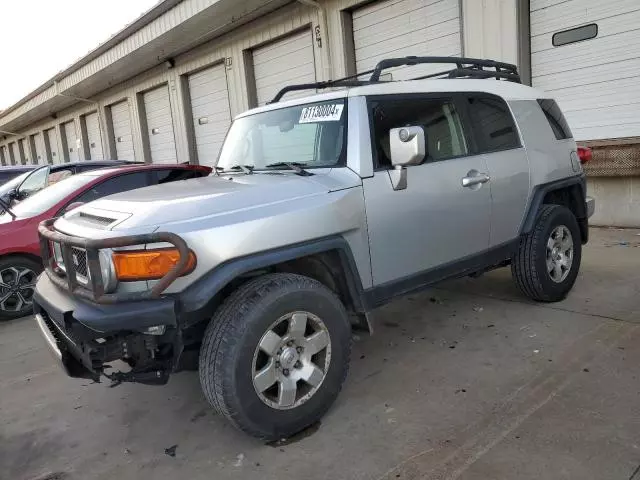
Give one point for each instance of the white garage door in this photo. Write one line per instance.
(162, 144)
(210, 110)
(51, 139)
(41, 154)
(400, 28)
(122, 136)
(4, 158)
(94, 139)
(593, 78)
(13, 154)
(71, 140)
(284, 62)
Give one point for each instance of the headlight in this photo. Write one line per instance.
(107, 270)
(136, 265)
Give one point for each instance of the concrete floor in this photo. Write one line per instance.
(467, 381)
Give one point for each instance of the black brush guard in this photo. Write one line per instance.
(95, 290)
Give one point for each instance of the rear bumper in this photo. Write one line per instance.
(590, 204)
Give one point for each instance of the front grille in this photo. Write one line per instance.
(79, 256)
(79, 259)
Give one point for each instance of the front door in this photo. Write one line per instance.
(436, 226)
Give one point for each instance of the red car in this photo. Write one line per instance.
(20, 262)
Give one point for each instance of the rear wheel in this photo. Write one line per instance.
(275, 355)
(548, 259)
(18, 277)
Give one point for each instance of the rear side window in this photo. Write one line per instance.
(493, 124)
(556, 119)
(121, 183)
(173, 174)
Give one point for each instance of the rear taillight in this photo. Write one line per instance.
(584, 154)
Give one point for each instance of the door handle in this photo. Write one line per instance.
(475, 178)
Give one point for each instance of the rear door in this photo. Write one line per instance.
(436, 226)
(498, 143)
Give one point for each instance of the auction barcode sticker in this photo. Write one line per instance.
(321, 113)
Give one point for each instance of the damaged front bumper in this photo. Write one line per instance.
(85, 338)
(87, 328)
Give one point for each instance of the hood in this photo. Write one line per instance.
(210, 196)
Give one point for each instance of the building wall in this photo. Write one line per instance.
(617, 201)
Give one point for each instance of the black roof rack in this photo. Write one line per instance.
(464, 68)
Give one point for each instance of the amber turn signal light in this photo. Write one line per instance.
(135, 265)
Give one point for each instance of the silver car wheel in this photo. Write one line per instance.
(559, 253)
(292, 360)
(17, 285)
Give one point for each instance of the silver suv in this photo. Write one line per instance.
(324, 208)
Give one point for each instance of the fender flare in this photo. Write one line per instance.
(198, 301)
(539, 193)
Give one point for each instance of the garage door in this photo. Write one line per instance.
(71, 140)
(162, 144)
(94, 139)
(4, 158)
(585, 53)
(210, 110)
(399, 28)
(122, 136)
(40, 152)
(51, 141)
(13, 154)
(281, 63)
(25, 154)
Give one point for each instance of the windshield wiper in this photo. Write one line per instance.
(248, 169)
(6, 208)
(295, 166)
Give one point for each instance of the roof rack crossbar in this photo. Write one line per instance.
(472, 66)
(465, 68)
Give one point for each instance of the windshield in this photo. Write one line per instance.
(43, 200)
(313, 135)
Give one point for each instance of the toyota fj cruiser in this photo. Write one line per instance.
(323, 208)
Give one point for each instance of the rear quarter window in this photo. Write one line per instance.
(556, 119)
(493, 124)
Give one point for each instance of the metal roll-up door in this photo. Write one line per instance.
(281, 63)
(211, 113)
(162, 143)
(51, 143)
(585, 54)
(4, 159)
(399, 28)
(23, 149)
(71, 141)
(40, 151)
(94, 138)
(13, 154)
(122, 134)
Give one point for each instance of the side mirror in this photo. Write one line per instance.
(408, 147)
(12, 194)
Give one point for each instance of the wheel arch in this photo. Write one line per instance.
(28, 255)
(569, 192)
(328, 260)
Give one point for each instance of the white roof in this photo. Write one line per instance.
(504, 89)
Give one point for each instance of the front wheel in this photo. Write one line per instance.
(548, 259)
(18, 277)
(275, 355)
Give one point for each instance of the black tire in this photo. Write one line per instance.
(7, 266)
(230, 342)
(529, 265)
